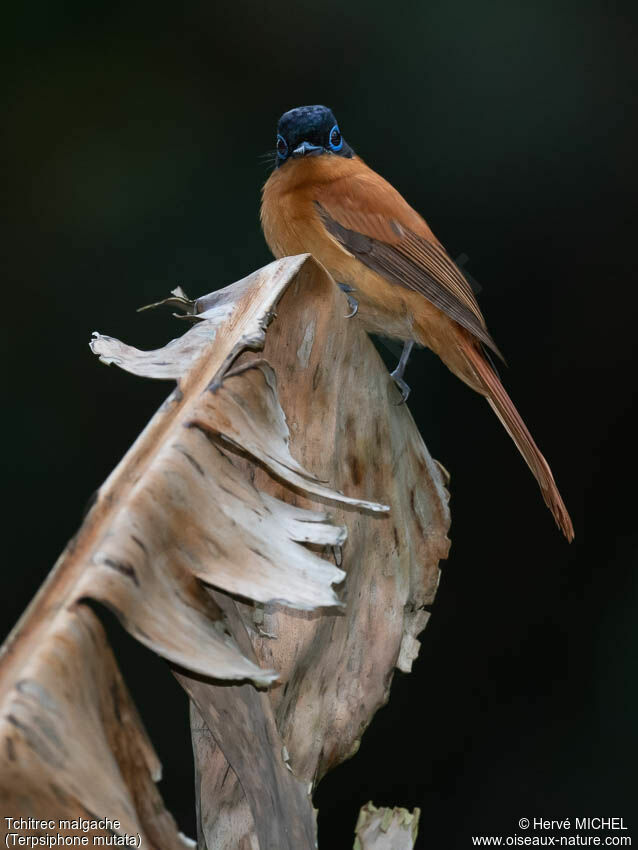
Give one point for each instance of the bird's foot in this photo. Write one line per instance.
(397, 375)
(354, 306)
(352, 301)
(402, 386)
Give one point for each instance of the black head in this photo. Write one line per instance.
(309, 131)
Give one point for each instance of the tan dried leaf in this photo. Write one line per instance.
(386, 829)
(221, 494)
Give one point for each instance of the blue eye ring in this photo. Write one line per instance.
(335, 132)
(282, 147)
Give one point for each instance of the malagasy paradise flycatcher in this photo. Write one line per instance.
(400, 282)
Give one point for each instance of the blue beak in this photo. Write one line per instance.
(306, 149)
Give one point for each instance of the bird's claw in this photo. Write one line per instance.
(397, 375)
(354, 306)
(403, 388)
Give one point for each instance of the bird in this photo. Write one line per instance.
(400, 282)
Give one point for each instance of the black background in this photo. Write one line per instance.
(134, 133)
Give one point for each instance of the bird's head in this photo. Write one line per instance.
(309, 131)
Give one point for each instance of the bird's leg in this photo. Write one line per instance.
(354, 304)
(397, 375)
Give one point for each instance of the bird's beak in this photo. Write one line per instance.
(306, 149)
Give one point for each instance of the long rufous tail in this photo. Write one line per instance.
(504, 408)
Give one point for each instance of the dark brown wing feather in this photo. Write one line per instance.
(404, 257)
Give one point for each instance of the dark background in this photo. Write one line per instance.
(134, 133)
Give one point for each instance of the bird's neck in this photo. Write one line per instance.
(313, 170)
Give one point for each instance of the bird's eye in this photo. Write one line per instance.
(334, 139)
(282, 147)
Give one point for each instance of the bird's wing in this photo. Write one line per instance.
(372, 221)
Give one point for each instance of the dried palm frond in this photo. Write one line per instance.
(222, 494)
